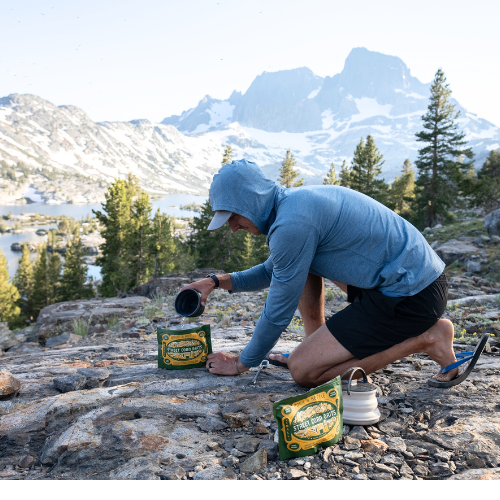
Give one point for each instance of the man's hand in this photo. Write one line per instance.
(204, 286)
(221, 363)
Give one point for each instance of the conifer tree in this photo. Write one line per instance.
(331, 177)
(139, 242)
(227, 157)
(287, 172)
(117, 227)
(23, 281)
(40, 289)
(345, 175)
(366, 165)
(162, 245)
(74, 281)
(403, 190)
(9, 295)
(485, 188)
(440, 172)
(53, 278)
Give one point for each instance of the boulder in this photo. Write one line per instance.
(492, 223)
(454, 250)
(62, 339)
(7, 338)
(75, 382)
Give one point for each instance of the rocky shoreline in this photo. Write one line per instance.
(99, 408)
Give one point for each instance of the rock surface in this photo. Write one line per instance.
(492, 223)
(101, 409)
(7, 338)
(8, 384)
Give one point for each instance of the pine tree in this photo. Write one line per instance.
(139, 242)
(9, 295)
(366, 165)
(440, 172)
(23, 281)
(116, 264)
(162, 245)
(53, 278)
(40, 289)
(485, 188)
(74, 280)
(345, 175)
(331, 177)
(403, 190)
(227, 157)
(287, 172)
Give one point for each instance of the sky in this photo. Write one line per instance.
(130, 59)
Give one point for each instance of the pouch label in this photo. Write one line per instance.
(191, 348)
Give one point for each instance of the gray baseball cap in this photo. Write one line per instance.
(219, 219)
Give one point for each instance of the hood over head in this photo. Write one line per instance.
(241, 187)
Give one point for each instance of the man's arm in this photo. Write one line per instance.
(207, 285)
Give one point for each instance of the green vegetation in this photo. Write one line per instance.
(9, 295)
(81, 326)
(194, 207)
(331, 177)
(113, 321)
(288, 174)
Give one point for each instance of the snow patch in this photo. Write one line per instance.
(369, 107)
(327, 119)
(314, 93)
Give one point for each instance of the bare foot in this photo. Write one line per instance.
(279, 357)
(439, 346)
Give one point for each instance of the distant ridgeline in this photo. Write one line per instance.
(320, 119)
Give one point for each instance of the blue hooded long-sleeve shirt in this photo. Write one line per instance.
(329, 231)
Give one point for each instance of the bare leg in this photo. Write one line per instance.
(320, 357)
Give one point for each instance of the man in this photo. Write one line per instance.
(392, 277)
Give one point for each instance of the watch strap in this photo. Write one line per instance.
(214, 277)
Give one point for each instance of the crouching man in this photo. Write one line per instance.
(394, 281)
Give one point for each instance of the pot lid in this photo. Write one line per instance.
(359, 386)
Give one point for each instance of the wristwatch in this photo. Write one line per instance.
(216, 280)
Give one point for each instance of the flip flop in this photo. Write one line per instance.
(471, 356)
(278, 363)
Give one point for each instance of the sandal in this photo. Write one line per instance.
(278, 363)
(471, 356)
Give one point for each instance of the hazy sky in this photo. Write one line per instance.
(127, 59)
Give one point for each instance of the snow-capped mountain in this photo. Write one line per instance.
(41, 135)
(322, 119)
(319, 119)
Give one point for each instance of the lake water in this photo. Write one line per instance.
(169, 204)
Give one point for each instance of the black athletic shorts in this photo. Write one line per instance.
(373, 322)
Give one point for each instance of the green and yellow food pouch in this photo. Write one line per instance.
(311, 421)
(182, 348)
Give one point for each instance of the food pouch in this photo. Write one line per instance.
(181, 348)
(310, 421)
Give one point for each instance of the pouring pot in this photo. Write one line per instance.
(360, 400)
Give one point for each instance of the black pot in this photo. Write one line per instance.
(188, 303)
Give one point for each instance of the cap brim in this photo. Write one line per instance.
(219, 219)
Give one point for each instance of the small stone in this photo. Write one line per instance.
(345, 430)
(8, 383)
(405, 470)
(214, 473)
(230, 461)
(361, 477)
(421, 427)
(385, 468)
(237, 453)
(444, 456)
(374, 446)
(211, 424)
(62, 339)
(247, 444)
(358, 432)
(396, 444)
(271, 447)
(26, 461)
(391, 460)
(351, 443)
(7, 338)
(440, 468)
(257, 461)
(295, 474)
(378, 476)
(213, 445)
(260, 429)
(307, 465)
(353, 455)
(236, 420)
(175, 473)
(75, 382)
(420, 470)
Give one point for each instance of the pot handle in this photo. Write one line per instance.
(353, 369)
